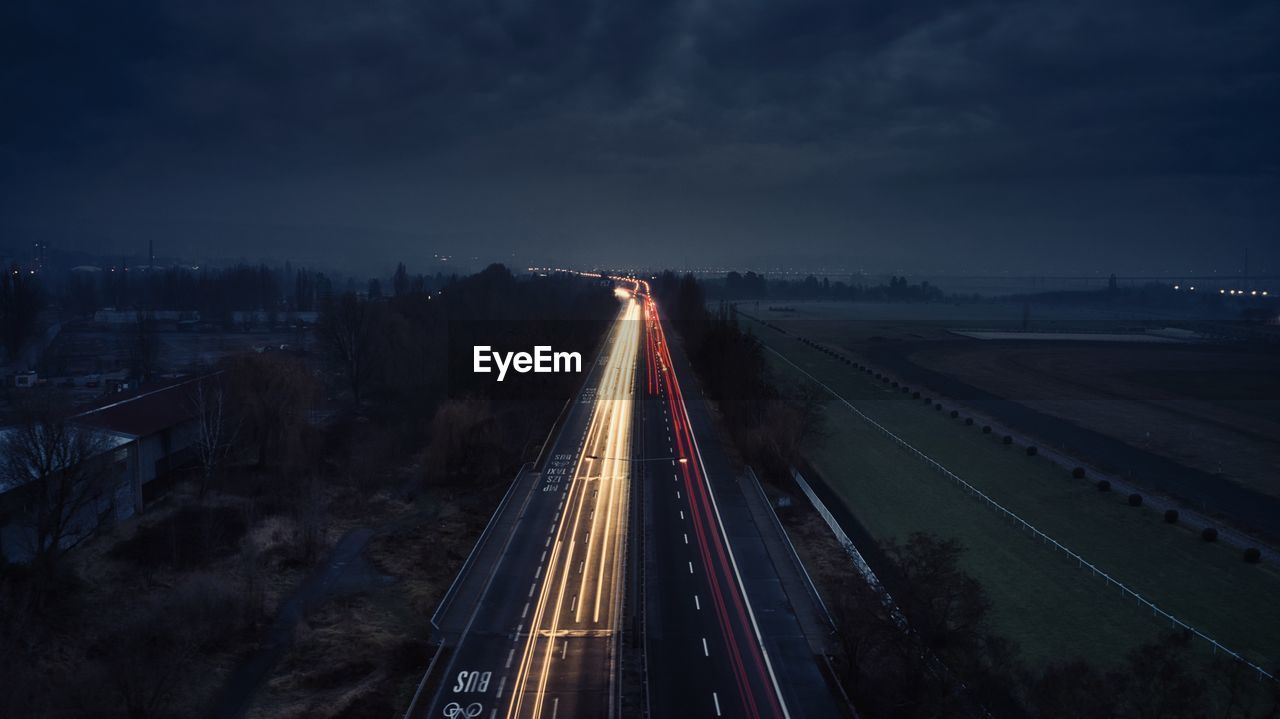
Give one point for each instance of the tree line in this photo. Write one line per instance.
(753, 286)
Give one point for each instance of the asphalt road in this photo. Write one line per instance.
(720, 636)
(543, 639)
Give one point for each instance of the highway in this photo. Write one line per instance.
(698, 617)
(545, 638)
(543, 641)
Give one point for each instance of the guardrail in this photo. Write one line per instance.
(795, 556)
(1045, 538)
(447, 599)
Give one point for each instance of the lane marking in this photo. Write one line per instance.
(691, 567)
(705, 652)
(715, 698)
(696, 605)
(686, 538)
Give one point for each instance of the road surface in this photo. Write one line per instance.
(720, 634)
(543, 641)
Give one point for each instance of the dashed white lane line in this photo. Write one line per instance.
(524, 612)
(548, 542)
(510, 655)
(691, 567)
(501, 683)
(677, 494)
(544, 557)
(538, 574)
(715, 698)
(682, 514)
(696, 605)
(686, 538)
(705, 651)
(531, 588)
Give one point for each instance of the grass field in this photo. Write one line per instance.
(1053, 609)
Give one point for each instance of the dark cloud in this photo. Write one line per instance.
(738, 123)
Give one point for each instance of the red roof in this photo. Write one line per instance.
(146, 411)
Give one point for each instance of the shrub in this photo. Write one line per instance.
(968, 421)
(1135, 500)
(915, 395)
(928, 400)
(986, 429)
(1171, 516)
(1253, 555)
(938, 407)
(1008, 439)
(1031, 451)
(954, 414)
(1104, 485)
(1078, 473)
(1209, 534)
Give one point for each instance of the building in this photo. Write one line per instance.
(138, 438)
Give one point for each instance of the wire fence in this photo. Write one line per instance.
(1044, 538)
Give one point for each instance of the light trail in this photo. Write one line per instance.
(748, 662)
(592, 541)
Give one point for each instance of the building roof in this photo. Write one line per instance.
(145, 411)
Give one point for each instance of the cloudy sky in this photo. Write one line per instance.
(938, 136)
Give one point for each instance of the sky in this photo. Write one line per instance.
(936, 136)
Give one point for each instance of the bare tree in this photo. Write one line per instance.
(347, 326)
(144, 349)
(272, 393)
(216, 428)
(20, 301)
(62, 471)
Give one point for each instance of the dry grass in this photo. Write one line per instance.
(362, 656)
(351, 658)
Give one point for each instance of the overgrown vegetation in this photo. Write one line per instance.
(768, 429)
(148, 617)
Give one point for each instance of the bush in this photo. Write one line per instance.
(1078, 473)
(915, 395)
(1008, 439)
(1031, 451)
(1209, 534)
(1253, 555)
(986, 429)
(954, 414)
(1135, 500)
(968, 421)
(1171, 516)
(1104, 485)
(938, 407)
(928, 400)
